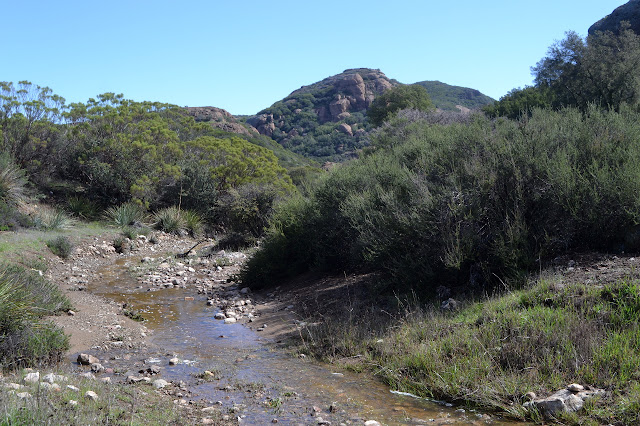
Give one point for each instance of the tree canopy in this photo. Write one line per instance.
(601, 69)
(398, 98)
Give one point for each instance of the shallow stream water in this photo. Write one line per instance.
(256, 382)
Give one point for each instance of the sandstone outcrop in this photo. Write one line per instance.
(218, 118)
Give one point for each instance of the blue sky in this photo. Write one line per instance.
(245, 55)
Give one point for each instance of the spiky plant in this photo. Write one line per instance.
(170, 220)
(126, 214)
(193, 222)
(49, 219)
(12, 182)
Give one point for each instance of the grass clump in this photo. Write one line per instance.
(52, 219)
(170, 220)
(125, 215)
(82, 207)
(173, 220)
(117, 404)
(491, 353)
(60, 246)
(25, 340)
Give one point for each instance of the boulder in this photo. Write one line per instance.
(564, 400)
(86, 359)
(32, 377)
(629, 12)
(345, 128)
(160, 383)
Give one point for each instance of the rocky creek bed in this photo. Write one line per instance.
(207, 343)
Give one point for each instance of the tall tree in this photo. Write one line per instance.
(603, 69)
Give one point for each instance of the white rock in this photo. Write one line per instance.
(23, 395)
(230, 320)
(372, 423)
(13, 386)
(72, 402)
(174, 361)
(32, 377)
(574, 387)
(73, 388)
(50, 387)
(106, 380)
(52, 378)
(91, 395)
(159, 384)
(219, 316)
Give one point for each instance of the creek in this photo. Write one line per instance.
(255, 381)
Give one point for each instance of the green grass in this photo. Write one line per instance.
(492, 352)
(116, 405)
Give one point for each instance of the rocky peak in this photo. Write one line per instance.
(218, 118)
(351, 91)
(629, 12)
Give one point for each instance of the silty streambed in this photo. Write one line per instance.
(254, 381)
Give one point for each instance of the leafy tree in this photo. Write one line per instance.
(521, 101)
(601, 69)
(29, 115)
(401, 97)
(233, 162)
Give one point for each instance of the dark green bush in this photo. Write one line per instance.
(60, 246)
(466, 204)
(246, 210)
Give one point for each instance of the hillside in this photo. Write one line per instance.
(327, 120)
(629, 12)
(226, 125)
(449, 98)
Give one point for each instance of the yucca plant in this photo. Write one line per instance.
(170, 220)
(50, 218)
(126, 214)
(12, 182)
(14, 304)
(82, 207)
(193, 222)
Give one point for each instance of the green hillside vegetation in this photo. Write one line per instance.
(446, 97)
(305, 121)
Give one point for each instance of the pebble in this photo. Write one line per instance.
(91, 395)
(230, 320)
(23, 395)
(174, 361)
